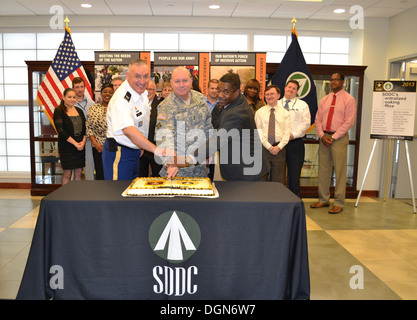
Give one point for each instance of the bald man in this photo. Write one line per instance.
(183, 118)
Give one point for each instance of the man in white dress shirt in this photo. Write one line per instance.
(300, 122)
(128, 115)
(274, 140)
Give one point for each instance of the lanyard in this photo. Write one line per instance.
(292, 107)
(82, 106)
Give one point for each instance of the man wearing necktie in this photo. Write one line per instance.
(275, 124)
(335, 116)
(241, 156)
(300, 122)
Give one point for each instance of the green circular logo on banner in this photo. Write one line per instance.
(174, 236)
(303, 80)
(388, 86)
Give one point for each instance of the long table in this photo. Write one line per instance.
(91, 243)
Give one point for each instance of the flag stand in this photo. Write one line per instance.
(386, 176)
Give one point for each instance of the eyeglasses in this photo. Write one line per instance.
(337, 79)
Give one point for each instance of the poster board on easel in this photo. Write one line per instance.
(393, 118)
(198, 63)
(248, 65)
(111, 64)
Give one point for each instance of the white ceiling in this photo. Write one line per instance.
(312, 9)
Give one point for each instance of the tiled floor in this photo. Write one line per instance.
(368, 252)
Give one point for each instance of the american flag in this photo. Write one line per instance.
(64, 68)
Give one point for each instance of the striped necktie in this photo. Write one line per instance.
(271, 127)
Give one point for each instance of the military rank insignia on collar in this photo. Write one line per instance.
(128, 96)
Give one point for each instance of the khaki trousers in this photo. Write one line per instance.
(333, 156)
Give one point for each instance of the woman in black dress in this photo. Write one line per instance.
(70, 125)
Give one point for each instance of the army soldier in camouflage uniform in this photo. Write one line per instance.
(183, 122)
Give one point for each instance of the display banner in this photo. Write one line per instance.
(197, 62)
(111, 64)
(260, 72)
(248, 65)
(393, 110)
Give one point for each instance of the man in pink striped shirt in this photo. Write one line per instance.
(335, 116)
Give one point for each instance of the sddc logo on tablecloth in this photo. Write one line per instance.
(174, 236)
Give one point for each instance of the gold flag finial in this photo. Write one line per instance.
(66, 25)
(66, 21)
(293, 21)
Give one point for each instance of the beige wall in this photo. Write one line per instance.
(369, 49)
(402, 35)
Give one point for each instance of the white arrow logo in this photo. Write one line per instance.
(175, 231)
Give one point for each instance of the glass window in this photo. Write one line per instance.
(196, 42)
(16, 92)
(18, 163)
(312, 58)
(88, 41)
(230, 42)
(18, 147)
(126, 41)
(274, 57)
(46, 55)
(334, 45)
(49, 40)
(161, 41)
(19, 40)
(2, 130)
(1, 58)
(309, 44)
(1, 76)
(334, 59)
(15, 75)
(268, 43)
(17, 58)
(3, 164)
(86, 55)
(2, 147)
(17, 113)
(17, 130)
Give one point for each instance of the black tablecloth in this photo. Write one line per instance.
(92, 243)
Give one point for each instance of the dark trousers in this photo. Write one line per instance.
(295, 160)
(98, 164)
(148, 161)
(120, 162)
(210, 172)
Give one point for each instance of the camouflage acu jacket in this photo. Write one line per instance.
(183, 128)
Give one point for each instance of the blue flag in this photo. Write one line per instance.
(294, 67)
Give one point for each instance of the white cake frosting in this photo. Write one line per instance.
(176, 186)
